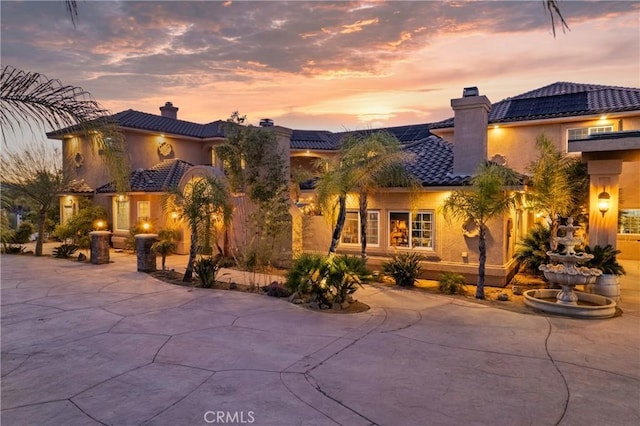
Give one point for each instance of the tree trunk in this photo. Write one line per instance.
(482, 248)
(193, 248)
(337, 231)
(42, 217)
(164, 258)
(364, 202)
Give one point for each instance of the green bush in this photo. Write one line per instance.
(404, 268)
(345, 274)
(452, 283)
(65, 251)
(24, 232)
(306, 270)
(207, 268)
(604, 258)
(326, 280)
(531, 252)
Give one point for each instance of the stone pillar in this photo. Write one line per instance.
(99, 247)
(145, 256)
(604, 176)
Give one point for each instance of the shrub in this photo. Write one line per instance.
(531, 252)
(65, 251)
(452, 283)
(13, 248)
(24, 232)
(207, 268)
(404, 268)
(326, 280)
(306, 269)
(604, 258)
(345, 274)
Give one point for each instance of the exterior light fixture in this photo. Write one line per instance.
(99, 225)
(603, 202)
(174, 215)
(146, 226)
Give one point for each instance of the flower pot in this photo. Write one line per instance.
(606, 285)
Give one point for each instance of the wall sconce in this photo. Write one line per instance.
(174, 215)
(603, 202)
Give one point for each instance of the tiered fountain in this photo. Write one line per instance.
(563, 271)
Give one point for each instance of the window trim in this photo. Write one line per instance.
(411, 216)
(369, 244)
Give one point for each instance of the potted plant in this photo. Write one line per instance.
(604, 258)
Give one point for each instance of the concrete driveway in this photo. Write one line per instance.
(103, 344)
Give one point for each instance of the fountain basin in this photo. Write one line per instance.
(566, 278)
(604, 307)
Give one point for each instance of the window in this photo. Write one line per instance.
(584, 132)
(629, 221)
(422, 230)
(121, 207)
(351, 230)
(417, 233)
(144, 211)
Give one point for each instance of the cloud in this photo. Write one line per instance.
(373, 61)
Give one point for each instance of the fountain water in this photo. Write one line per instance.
(565, 273)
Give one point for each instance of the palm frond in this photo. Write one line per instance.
(30, 97)
(553, 8)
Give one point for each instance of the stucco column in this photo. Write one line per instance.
(145, 255)
(99, 247)
(604, 176)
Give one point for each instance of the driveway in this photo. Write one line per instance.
(103, 344)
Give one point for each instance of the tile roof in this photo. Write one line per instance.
(156, 123)
(560, 99)
(315, 139)
(433, 162)
(159, 178)
(78, 187)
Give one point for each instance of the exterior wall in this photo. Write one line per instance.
(90, 166)
(517, 142)
(452, 251)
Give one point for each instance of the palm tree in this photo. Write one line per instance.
(166, 244)
(365, 163)
(488, 197)
(31, 100)
(197, 203)
(35, 176)
(552, 189)
(378, 160)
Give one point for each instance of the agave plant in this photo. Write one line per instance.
(404, 268)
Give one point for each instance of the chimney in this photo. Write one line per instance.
(266, 122)
(470, 131)
(169, 111)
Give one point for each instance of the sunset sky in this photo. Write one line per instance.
(319, 65)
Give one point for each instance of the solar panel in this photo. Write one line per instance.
(548, 105)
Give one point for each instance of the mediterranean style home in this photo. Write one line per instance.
(599, 123)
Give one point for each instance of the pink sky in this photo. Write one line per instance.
(319, 65)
